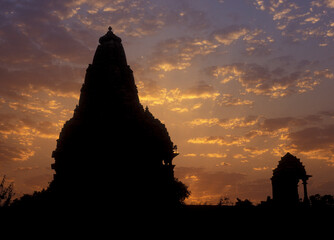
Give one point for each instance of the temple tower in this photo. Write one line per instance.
(113, 151)
(285, 181)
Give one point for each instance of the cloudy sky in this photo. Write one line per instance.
(238, 84)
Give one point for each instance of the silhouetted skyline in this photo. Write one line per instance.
(237, 83)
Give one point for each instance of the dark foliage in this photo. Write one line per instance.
(243, 203)
(325, 201)
(6, 193)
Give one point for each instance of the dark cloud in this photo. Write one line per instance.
(300, 21)
(327, 113)
(31, 32)
(201, 89)
(182, 13)
(55, 80)
(257, 42)
(275, 127)
(314, 138)
(264, 80)
(273, 124)
(256, 190)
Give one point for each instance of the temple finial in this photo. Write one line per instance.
(109, 36)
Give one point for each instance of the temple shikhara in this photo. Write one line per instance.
(113, 151)
(285, 181)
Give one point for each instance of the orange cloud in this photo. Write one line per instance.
(228, 140)
(229, 100)
(26, 129)
(329, 3)
(12, 151)
(226, 123)
(213, 155)
(255, 151)
(260, 168)
(151, 94)
(204, 121)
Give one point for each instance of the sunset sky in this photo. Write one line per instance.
(238, 83)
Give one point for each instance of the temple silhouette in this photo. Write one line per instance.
(285, 181)
(113, 151)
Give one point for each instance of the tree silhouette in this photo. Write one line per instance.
(6, 193)
(325, 201)
(243, 203)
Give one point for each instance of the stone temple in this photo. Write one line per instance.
(285, 181)
(113, 151)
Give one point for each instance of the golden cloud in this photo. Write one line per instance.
(329, 3)
(177, 54)
(230, 34)
(12, 151)
(227, 140)
(226, 123)
(150, 93)
(255, 151)
(179, 110)
(260, 168)
(261, 80)
(204, 121)
(229, 100)
(213, 155)
(238, 156)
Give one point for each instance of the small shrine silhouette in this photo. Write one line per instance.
(285, 181)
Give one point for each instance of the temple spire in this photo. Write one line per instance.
(109, 36)
(103, 146)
